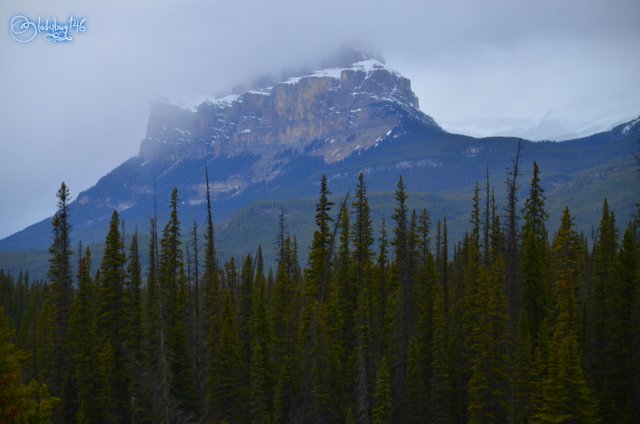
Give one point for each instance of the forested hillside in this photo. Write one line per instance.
(381, 325)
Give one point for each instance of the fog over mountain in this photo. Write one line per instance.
(77, 110)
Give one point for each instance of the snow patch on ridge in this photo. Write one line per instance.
(630, 125)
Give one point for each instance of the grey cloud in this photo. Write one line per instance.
(76, 111)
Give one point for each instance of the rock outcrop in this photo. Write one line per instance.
(330, 113)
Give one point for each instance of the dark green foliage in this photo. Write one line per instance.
(55, 347)
(383, 397)
(85, 343)
(357, 336)
(439, 384)
(261, 378)
(536, 296)
(565, 393)
(320, 254)
(19, 402)
(134, 341)
(111, 324)
(405, 298)
(490, 383)
(225, 390)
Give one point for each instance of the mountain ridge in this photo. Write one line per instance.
(274, 143)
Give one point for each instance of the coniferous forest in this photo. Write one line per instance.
(397, 324)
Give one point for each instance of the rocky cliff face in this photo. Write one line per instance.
(330, 113)
(353, 116)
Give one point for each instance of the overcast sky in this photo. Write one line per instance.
(74, 111)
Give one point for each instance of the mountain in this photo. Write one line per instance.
(547, 128)
(357, 115)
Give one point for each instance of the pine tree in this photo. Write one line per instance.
(415, 385)
(362, 239)
(261, 381)
(405, 307)
(536, 287)
(463, 295)
(212, 303)
(383, 299)
(28, 336)
(320, 255)
(440, 385)
(609, 355)
(341, 310)
(183, 381)
(361, 234)
(567, 398)
(56, 352)
(85, 343)
(284, 330)
(258, 388)
(420, 351)
(635, 323)
(225, 367)
(490, 383)
(512, 248)
(383, 409)
(523, 373)
(629, 277)
(317, 355)
(475, 218)
(105, 403)
(245, 316)
(111, 319)
(140, 403)
(19, 402)
(365, 370)
(174, 301)
(198, 337)
(156, 357)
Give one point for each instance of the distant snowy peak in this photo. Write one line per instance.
(630, 126)
(547, 129)
(367, 65)
(334, 112)
(372, 69)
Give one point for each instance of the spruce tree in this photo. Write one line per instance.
(111, 320)
(183, 381)
(56, 352)
(85, 342)
(261, 380)
(523, 373)
(439, 384)
(316, 354)
(362, 239)
(536, 287)
(364, 355)
(405, 308)
(284, 330)
(383, 299)
(174, 302)
(105, 400)
(512, 245)
(212, 303)
(319, 255)
(609, 355)
(490, 382)
(19, 402)
(566, 396)
(225, 367)
(140, 404)
(383, 409)
(341, 311)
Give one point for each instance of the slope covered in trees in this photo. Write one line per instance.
(381, 325)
